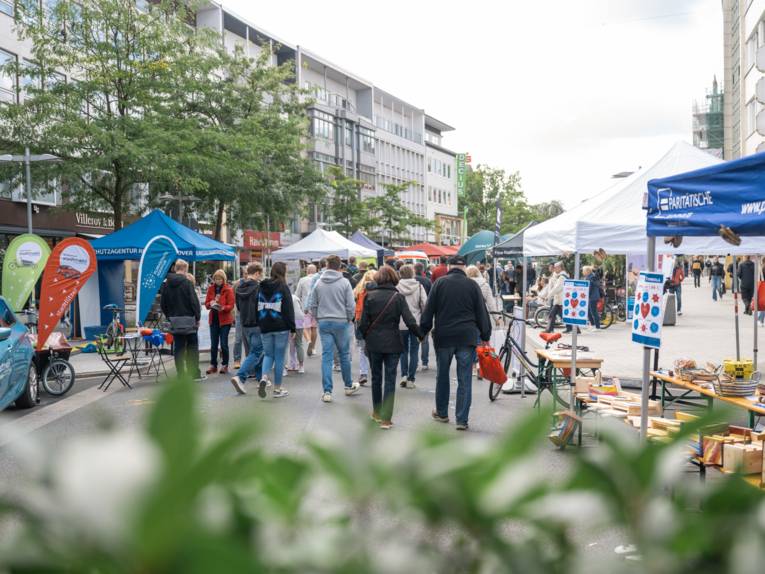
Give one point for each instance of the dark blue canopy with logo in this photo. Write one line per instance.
(698, 202)
(129, 242)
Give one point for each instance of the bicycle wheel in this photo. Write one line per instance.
(58, 377)
(606, 318)
(504, 358)
(541, 317)
(621, 312)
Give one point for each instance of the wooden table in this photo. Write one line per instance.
(709, 395)
(551, 371)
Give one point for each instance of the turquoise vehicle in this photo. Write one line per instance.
(18, 376)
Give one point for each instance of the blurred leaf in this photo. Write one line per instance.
(174, 424)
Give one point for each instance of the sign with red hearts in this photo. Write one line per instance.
(648, 313)
(576, 294)
(69, 266)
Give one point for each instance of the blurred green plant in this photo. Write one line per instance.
(179, 497)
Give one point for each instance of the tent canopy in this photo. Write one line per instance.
(697, 203)
(513, 245)
(128, 243)
(614, 219)
(431, 250)
(474, 249)
(359, 238)
(322, 243)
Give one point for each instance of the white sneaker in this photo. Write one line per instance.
(326, 398)
(424, 368)
(301, 370)
(352, 390)
(280, 392)
(286, 373)
(238, 385)
(410, 385)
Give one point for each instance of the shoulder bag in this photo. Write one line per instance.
(380, 314)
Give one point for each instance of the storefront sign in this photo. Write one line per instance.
(158, 255)
(97, 221)
(261, 239)
(576, 294)
(69, 267)
(24, 261)
(463, 160)
(648, 310)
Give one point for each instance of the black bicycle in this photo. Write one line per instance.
(530, 369)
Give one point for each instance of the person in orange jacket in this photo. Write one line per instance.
(220, 302)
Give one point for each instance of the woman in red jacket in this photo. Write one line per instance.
(220, 302)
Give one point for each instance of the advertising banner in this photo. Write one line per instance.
(576, 294)
(157, 258)
(24, 261)
(69, 266)
(648, 312)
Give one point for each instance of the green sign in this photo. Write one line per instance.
(461, 173)
(24, 261)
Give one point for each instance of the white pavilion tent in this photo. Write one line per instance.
(322, 243)
(614, 219)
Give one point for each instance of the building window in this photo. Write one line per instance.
(449, 171)
(8, 80)
(367, 140)
(323, 126)
(349, 135)
(6, 7)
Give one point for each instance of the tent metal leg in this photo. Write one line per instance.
(645, 391)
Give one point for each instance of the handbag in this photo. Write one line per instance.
(183, 325)
(489, 366)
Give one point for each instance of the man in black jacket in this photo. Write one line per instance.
(746, 283)
(180, 305)
(461, 321)
(247, 304)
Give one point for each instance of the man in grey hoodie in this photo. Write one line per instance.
(333, 306)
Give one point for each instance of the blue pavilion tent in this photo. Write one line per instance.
(697, 203)
(359, 238)
(128, 243)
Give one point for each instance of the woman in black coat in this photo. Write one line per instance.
(383, 308)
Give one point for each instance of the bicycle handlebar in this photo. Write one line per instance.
(511, 317)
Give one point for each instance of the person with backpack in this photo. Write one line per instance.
(384, 309)
(297, 354)
(746, 273)
(595, 293)
(360, 295)
(247, 303)
(696, 268)
(276, 319)
(415, 296)
(717, 275)
(424, 280)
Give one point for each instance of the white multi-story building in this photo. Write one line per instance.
(744, 77)
(373, 135)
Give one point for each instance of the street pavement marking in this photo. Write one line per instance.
(41, 416)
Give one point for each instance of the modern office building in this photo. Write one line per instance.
(708, 131)
(372, 134)
(744, 79)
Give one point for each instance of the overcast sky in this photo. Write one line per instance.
(565, 92)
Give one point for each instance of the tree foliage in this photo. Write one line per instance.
(150, 102)
(484, 185)
(348, 209)
(387, 216)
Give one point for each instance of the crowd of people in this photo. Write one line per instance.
(391, 313)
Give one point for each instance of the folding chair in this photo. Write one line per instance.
(115, 363)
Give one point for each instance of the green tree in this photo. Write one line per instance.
(98, 94)
(250, 129)
(387, 216)
(483, 186)
(547, 210)
(348, 209)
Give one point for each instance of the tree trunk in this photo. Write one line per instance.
(219, 220)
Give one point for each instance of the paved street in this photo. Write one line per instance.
(705, 332)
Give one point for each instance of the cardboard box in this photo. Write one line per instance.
(743, 458)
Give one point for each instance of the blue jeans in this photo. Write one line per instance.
(716, 282)
(409, 356)
(253, 362)
(274, 350)
(425, 354)
(464, 356)
(678, 291)
(219, 335)
(335, 334)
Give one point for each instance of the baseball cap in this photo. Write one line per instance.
(457, 260)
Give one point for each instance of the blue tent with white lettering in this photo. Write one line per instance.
(698, 203)
(128, 243)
